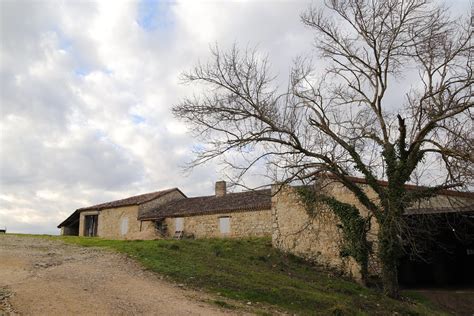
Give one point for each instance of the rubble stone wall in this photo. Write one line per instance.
(171, 196)
(316, 238)
(242, 224)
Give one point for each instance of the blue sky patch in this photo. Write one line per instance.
(64, 42)
(137, 119)
(154, 14)
(81, 72)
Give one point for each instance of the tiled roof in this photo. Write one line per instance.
(133, 200)
(70, 220)
(447, 192)
(439, 210)
(243, 201)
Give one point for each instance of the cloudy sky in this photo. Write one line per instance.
(87, 87)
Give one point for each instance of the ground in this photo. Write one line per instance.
(80, 275)
(41, 276)
(456, 301)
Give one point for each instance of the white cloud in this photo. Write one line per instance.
(86, 92)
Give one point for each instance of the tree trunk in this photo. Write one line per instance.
(389, 255)
(390, 279)
(364, 271)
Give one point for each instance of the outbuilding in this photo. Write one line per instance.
(118, 219)
(170, 213)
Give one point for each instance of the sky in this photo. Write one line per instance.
(86, 90)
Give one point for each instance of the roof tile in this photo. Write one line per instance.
(242, 201)
(133, 200)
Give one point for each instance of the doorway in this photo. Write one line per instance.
(90, 227)
(446, 253)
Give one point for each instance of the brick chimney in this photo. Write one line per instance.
(221, 188)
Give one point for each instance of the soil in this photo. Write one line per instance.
(455, 301)
(43, 277)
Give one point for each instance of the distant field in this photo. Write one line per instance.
(250, 270)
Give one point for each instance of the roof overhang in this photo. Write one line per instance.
(440, 210)
(71, 219)
(178, 213)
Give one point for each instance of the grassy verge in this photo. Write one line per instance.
(251, 270)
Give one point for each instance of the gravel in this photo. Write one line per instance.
(41, 276)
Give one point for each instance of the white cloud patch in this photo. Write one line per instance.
(86, 92)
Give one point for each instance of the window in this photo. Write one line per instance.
(161, 227)
(124, 226)
(179, 224)
(224, 225)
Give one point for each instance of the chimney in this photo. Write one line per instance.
(221, 188)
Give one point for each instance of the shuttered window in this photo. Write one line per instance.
(124, 226)
(224, 225)
(179, 224)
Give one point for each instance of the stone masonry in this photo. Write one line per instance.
(122, 223)
(172, 196)
(318, 238)
(315, 238)
(242, 224)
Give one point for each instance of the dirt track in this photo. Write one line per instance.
(43, 277)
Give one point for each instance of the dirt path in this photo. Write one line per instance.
(43, 277)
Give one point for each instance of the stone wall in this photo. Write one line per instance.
(242, 224)
(315, 238)
(318, 238)
(147, 231)
(118, 223)
(72, 230)
(171, 196)
(122, 223)
(111, 222)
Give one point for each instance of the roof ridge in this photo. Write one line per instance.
(408, 186)
(227, 194)
(152, 195)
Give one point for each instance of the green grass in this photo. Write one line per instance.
(250, 270)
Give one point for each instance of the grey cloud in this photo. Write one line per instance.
(89, 161)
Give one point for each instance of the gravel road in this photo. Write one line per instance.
(44, 277)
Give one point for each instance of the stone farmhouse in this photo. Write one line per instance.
(170, 213)
(281, 214)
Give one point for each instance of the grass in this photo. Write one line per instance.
(250, 270)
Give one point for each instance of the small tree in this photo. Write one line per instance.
(352, 118)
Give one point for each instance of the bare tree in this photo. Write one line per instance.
(353, 118)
